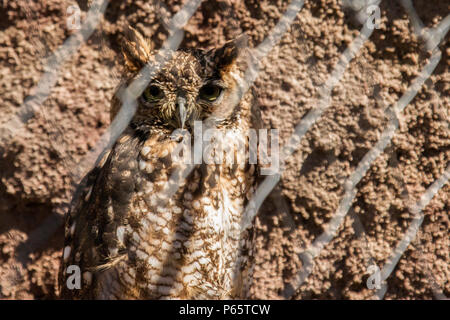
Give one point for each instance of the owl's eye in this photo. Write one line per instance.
(210, 92)
(152, 94)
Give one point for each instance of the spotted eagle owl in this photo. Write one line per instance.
(138, 228)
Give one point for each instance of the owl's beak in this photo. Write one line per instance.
(182, 112)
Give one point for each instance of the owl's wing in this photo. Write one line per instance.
(78, 208)
(99, 206)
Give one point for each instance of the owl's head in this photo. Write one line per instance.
(193, 84)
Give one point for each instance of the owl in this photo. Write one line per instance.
(143, 223)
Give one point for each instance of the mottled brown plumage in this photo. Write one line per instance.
(134, 234)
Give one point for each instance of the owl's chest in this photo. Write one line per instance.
(189, 222)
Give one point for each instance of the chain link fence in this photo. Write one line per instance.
(367, 13)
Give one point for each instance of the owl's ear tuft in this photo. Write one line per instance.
(136, 49)
(226, 55)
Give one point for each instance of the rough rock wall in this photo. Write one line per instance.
(38, 160)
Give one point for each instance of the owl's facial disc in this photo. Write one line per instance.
(192, 85)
